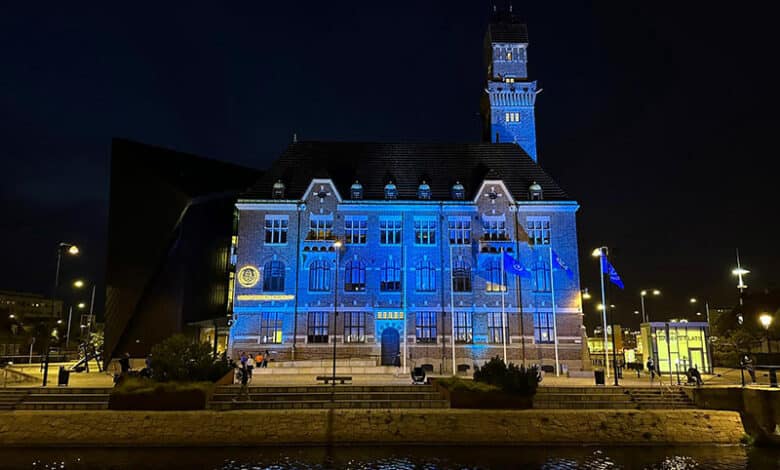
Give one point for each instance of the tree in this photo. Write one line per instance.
(179, 358)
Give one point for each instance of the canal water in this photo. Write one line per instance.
(391, 458)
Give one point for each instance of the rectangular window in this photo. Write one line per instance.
(541, 276)
(317, 327)
(271, 327)
(460, 230)
(538, 228)
(494, 327)
(425, 327)
(276, 229)
(390, 231)
(425, 231)
(513, 116)
(464, 332)
(355, 229)
(494, 228)
(355, 327)
(543, 327)
(320, 228)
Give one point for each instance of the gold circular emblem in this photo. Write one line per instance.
(248, 276)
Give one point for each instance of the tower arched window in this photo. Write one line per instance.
(390, 276)
(355, 276)
(493, 276)
(461, 276)
(425, 276)
(273, 276)
(319, 276)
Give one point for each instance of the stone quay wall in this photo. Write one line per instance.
(355, 427)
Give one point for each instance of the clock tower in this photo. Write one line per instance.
(508, 103)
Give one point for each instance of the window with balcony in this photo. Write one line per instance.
(494, 228)
(320, 228)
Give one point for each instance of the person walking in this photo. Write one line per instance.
(651, 369)
(244, 390)
(265, 358)
(250, 366)
(747, 364)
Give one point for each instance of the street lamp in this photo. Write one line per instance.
(337, 246)
(585, 294)
(739, 271)
(642, 295)
(72, 250)
(766, 320)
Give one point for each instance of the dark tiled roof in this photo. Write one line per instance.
(513, 32)
(406, 164)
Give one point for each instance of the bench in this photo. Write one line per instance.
(338, 378)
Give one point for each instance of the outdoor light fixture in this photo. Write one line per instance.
(766, 320)
(78, 283)
(642, 295)
(73, 250)
(693, 300)
(596, 253)
(81, 305)
(12, 316)
(585, 294)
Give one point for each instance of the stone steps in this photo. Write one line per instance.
(325, 370)
(327, 363)
(322, 388)
(325, 404)
(610, 398)
(58, 405)
(10, 398)
(326, 396)
(66, 398)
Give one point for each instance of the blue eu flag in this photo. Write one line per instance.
(561, 265)
(514, 266)
(607, 268)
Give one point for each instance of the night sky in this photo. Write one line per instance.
(660, 120)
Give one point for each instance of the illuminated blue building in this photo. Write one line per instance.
(404, 242)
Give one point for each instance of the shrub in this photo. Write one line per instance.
(135, 393)
(511, 379)
(458, 384)
(178, 358)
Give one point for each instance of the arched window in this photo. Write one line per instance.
(493, 276)
(461, 276)
(391, 192)
(541, 276)
(425, 275)
(391, 276)
(273, 276)
(319, 276)
(355, 276)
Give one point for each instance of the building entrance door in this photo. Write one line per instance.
(697, 359)
(391, 346)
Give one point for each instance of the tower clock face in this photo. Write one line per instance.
(248, 276)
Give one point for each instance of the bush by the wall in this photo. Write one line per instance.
(145, 394)
(511, 379)
(178, 358)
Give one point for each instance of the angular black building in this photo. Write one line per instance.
(170, 225)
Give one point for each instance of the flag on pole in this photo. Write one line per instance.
(607, 268)
(514, 266)
(559, 263)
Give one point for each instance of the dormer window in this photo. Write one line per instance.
(423, 191)
(278, 190)
(535, 192)
(458, 191)
(391, 192)
(356, 190)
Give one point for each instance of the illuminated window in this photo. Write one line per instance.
(494, 227)
(273, 276)
(390, 230)
(319, 276)
(461, 276)
(425, 327)
(425, 231)
(391, 276)
(495, 332)
(355, 229)
(464, 332)
(541, 276)
(538, 228)
(317, 327)
(355, 276)
(271, 327)
(276, 229)
(425, 276)
(460, 230)
(509, 80)
(509, 55)
(543, 327)
(512, 117)
(320, 227)
(493, 276)
(354, 327)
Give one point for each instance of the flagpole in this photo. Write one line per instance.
(555, 317)
(503, 308)
(604, 310)
(405, 311)
(452, 312)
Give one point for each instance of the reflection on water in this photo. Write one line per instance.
(395, 458)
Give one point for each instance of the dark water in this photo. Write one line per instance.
(391, 458)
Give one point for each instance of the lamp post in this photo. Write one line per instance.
(72, 250)
(739, 271)
(337, 245)
(766, 321)
(601, 253)
(642, 295)
(693, 300)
